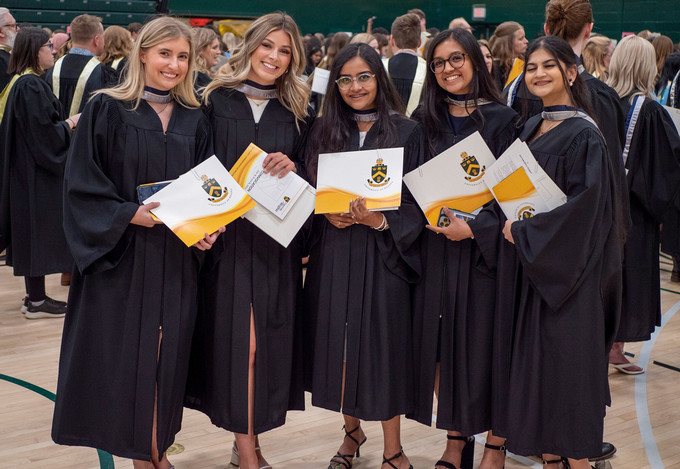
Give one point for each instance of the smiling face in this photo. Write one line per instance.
(166, 64)
(211, 53)
(271, 58)
(488, 58)
(544, 78)
(519, 42)
(359, 96)
(453, 80)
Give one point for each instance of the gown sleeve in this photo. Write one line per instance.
(96, 217)
(559, 247)
(654, 169)
(398, 244)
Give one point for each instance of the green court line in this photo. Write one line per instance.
(671, 291)
(105, 459)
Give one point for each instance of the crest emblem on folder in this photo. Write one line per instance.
(378, 174)
(525, 212)
(471, 166)
(216, 193)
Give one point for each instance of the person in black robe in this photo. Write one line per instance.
(132, 301)
(568, 278)
(652, 160)
(454, 302)
(8, 32)
(404, 65)
(246, 371)
(361, 266)
(33, 144)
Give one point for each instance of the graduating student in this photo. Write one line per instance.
(207, 51)
(117, 46)
(33, 144)
(79, 73)
(132, 302)
(509, 42)
(244, 374)
(454, 302)
(361, 266)
(652, 159)
(569, 274)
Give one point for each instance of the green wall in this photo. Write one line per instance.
(611, 16)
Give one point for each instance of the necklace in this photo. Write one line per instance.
(548, 128)
(162, 110)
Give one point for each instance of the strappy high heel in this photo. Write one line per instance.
(342, 461)
(235, 457)
(467, 456)
(396, 456)
(557, 461)
(497, 448)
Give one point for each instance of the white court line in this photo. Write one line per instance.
(646, 432)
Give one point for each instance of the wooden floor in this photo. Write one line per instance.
(644, 417)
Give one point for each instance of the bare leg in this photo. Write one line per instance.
(392, 443)
(493, 458)
(248, 457)
(617, 357)
(454, 448)
(350, 444)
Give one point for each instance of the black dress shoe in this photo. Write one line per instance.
(607, 452)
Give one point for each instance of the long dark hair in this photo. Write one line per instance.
(333, 131)
(27, 45)
(482, 86)
(561, 50)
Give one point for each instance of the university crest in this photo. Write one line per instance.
(378, 174)
(525, 212)
(215, 192)
(472, 167)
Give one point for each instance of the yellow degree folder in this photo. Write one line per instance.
(373, 174)
(200, 201)
(453, 179)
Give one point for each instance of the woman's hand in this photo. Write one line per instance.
(278, 163)
(207, 242)
(457, 230)
(359, 212)
(340, 220)
(143, 215)
(507, 231)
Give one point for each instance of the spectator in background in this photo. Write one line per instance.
(230, 41)
(460, 23)
(508, 43)
(405, 68)
(117, 47)
(663, 45)
(424, 35)
(207, 44)
(313, 55)
(58, 40)
(367, 39)
(645, 34)
(8, 32)
(597, 53)
(338, 41)
(134, 29)
(383, 45)
(663, 85)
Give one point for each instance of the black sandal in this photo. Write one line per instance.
(497, 448)
(342, 461)
(396, 456)
(557, 461)
(467, 456)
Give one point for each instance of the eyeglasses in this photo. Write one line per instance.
(49, 45)
(456, 60)
(13, 26)
(345, 83)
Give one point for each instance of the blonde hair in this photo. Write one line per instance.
(364, 38)
(117, 44)
(292, 90)
(593, 56)
(203, 38)
(153, 33)
(633, 68)
(502, 47)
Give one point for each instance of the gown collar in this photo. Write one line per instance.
(256, 90)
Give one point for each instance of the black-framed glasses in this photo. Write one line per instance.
(363, 79)
(49, 45)
(456, 60)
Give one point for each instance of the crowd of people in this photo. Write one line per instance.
(510, 324)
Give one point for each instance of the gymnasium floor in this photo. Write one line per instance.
(643, 422)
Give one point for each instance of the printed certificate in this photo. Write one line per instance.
(275, 194)
(200, 201)
(320, 80)
(373, 174)
(519, 184)
(453, 179)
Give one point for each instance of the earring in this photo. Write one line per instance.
(571, 83)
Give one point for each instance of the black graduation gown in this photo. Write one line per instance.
(654, 183)
(71, 69)
(246, 268)
(201, 81)
(33, 145)
(130, 281)
(402, 71)
(357, 302)
(453, 304)
(4, 62)
(569, 289)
